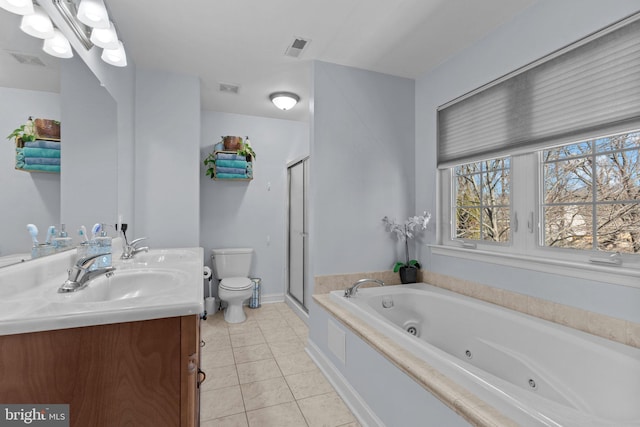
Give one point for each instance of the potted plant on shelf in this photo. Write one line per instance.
(405, 231)
(243, 149)
(24, 133)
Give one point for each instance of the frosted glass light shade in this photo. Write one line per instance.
(116, 57)
(37, 24)
(93, 13)
(106, 38)
(284, 100)
(58, 45)
(20, 7)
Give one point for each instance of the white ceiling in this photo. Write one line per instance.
(243, 42)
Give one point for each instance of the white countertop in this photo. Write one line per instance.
(29, 301)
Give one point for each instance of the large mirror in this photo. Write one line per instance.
(35, 84)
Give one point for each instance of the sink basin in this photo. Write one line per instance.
(159, 257)
(128, 284)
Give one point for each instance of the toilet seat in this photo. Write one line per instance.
(236, 283)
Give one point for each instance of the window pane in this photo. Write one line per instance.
(567, 151)
(468, 192)
(618, 142)
(568, 226)
(618, 177)
(495, 224)
(568, 181)
(468, 223)
(619, 227)
(469, 168)
(495, 187)
(483, 200)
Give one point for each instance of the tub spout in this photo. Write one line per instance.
(349, 292)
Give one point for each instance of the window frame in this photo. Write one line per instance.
(525, 248)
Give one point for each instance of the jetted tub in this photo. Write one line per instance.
(535, 372)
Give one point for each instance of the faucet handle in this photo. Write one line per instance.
(86, 261)
(136, 241)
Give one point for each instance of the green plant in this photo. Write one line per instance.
(405, 231)
(210, 162)
(26, 132)
(246, 149)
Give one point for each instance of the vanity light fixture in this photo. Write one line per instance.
(93, 13)
(58, 45)
(284, 100)
(106, 38)
(116, 57)
(37, 24)
(20, 7)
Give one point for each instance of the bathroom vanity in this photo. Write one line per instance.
(121, 354)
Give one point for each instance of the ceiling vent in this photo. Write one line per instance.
(27, 59)
(229, 88)
(296, 47)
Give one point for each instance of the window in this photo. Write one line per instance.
(591, 194)
(482, 200)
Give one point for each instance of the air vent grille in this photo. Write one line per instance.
(229, 88)
(296, 47)
(27, 59)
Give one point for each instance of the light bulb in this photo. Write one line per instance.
(58, 45)
(37, 24)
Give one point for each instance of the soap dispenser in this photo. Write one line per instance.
(102, 246)
(62, 241)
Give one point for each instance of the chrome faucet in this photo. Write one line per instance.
(350, 292)
(130, 249)
(80, 274)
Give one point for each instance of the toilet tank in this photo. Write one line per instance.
(231, 262)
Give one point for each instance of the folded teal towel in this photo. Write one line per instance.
(54, 145)
(232, 163)
(42, 160)
(231, 176)
(40, 152)
(230, 156)
(222, 169)
(42, 168)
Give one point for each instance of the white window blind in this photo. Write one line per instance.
(590, 87)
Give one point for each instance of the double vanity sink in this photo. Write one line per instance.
(155, 284)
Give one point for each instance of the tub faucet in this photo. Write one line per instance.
(350, 292)
(80, 274)
(130, 249)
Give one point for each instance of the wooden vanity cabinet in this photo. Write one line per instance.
(136, 374)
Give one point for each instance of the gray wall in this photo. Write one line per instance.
(362, 167)
(541, 29)
(26, 197)
(251, 214)
(167, 141)
(89, 185)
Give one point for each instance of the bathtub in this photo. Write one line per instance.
(535, 372)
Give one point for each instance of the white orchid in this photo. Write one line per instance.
(406, 231)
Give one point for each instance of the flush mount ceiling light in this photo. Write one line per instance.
(37, 24)
(116, 57)
(284, 100)
(106, 38)
(20, 7)
(58, 45)
(93, 13)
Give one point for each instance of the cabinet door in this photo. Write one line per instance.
(190, 363)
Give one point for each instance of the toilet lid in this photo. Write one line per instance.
(236, 283)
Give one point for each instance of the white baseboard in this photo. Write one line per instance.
(366, 417)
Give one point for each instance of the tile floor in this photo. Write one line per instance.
(258, 374)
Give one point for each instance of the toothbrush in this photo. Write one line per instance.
(33, 230)
(95, 230)
(50, 233)
(82, 232)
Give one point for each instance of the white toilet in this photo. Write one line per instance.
(231, 267)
